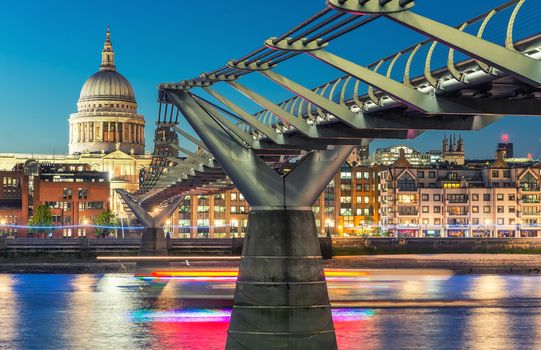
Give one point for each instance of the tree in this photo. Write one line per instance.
(107, 222)
(41, 220)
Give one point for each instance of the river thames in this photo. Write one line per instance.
(372, 309)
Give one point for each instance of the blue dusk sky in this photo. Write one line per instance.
(49, 48)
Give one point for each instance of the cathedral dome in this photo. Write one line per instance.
(107, 85)
(106, 120)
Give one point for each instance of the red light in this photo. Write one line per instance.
(505, 138)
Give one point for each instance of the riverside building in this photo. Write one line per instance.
(75, 194)
(449, 200)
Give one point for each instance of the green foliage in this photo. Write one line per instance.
(106, 218)
(42, 217)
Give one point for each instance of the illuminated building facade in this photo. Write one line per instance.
(75, 193)
(498, 200)
(387, 156)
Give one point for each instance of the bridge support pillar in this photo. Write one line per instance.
(281, 299)
(153, 241)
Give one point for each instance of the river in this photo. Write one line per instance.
(377, 309)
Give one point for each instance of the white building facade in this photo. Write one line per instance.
(456, 201)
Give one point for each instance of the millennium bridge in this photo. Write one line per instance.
(282, 157)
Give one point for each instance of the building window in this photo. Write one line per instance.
(475, 209)
(432, 174)
(475, 221)
(406, 198)
(511, 197)
(346, 199)
(82, 193)
(437, 221)
(499, 196)
(242, 209)
(511, 209)
(425, 197)
(486, 197)
(420, 174)
(233, 209)
(425, 209)
(529, 183)
(499, 209)
(500, 221)
(233, 196)
(437, 197)
(507, 174)
(68, 194)
(475, 197)
(486, 209)
(407, 183)
(437, 209)
(495, 173)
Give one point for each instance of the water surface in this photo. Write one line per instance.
(389, 311)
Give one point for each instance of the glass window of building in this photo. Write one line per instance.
(345, 211)
(420, 174)
(407, 198)
(475, 197)
(486, 209)
(475, 221)
(67, 194)
(233, 196)
(407, 183)
(499, 221)
(425, 197)
(437, 197)
(432, 174)
(241, 197)
(82, 193)
(529, 183)
(233, 209)
(499, 209)
(507, 174)
(499, 196)
(511, 197)
(366, 199)
(437, 221)
(495, 173)
(425, 209)
(345, 172)
(437, 209)
(511, 209)
(475, 209)
(345, 199)
(486, 197)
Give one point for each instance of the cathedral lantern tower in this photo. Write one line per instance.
(106, 118)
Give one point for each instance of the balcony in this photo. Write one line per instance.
(458, 213)
(529, 213)
(529, 201)
(408, 212)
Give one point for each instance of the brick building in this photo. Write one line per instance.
(75, 194)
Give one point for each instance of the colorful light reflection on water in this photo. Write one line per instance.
(191, 324)
(223, 315)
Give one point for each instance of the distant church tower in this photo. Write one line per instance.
(453, 150)
(106, 118)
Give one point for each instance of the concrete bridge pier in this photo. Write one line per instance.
(281, 299)
(153, 241)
